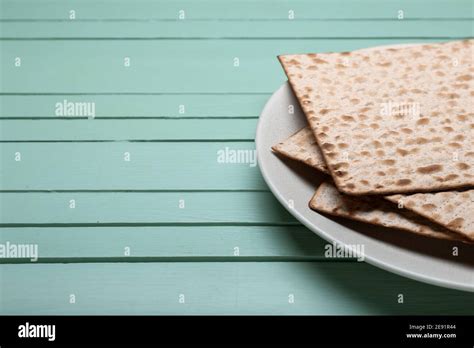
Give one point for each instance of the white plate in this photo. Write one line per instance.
(400, 252)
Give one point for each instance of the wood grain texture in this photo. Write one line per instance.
(220, 288)
(168, 66)
(142, 208)
(174, 156)
(233, 9)
(237, 29)
(216, 105)
(152, 165)
(179, 243)
(128, 130)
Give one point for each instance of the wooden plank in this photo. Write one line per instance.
(234, 9)
(238, 29)
(151, 166)
(171, 243)
(170, 66)
(117, 130)
(137, 106)
(142, 208)
(220, 288)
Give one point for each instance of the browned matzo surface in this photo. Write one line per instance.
(329, 200)
(453, 210)
(391, 120)
(302, 147)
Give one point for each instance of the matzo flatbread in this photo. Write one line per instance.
(454, 210)
(450, 209)
(377, 211)
(302, 147)
(424, 141)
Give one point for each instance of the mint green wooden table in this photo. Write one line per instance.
(130, 208)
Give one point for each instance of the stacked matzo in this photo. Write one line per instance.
(393, 122)
(343, 96)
